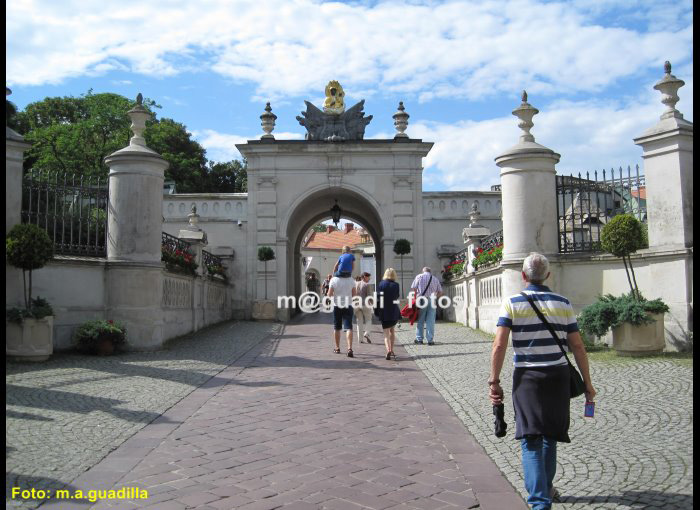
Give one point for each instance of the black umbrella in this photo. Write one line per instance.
(499, 422)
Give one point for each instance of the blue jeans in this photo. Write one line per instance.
(426, 316)
(539, 468)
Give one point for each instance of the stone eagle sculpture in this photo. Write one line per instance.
(334, 127)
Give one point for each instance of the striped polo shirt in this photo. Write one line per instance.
(532, 342)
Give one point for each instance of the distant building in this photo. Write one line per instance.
(320, 250)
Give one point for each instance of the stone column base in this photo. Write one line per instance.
(265, 310)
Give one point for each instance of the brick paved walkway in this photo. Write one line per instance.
(295, 426)
(64, 415)
(636, 453)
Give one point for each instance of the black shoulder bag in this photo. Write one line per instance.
(576, 384)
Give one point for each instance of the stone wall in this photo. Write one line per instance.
(582, 278)
(75, 288)
(219, 217)
(444, 217)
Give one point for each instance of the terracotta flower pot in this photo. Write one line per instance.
(104, 346)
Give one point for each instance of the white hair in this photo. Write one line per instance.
(536, 267)
(426, 269)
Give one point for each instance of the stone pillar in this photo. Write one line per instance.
(197, 239)
(134, 233)
(529, 200)
(472, 236)
(15, 146)
(668, 170)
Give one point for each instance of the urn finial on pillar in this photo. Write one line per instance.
(138, 115)
(668, 86)
(525, 112)
(401, 121)
(268, 122)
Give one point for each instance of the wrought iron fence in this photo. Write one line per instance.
(71, 208)
(211, 260)
(492, 241)
(585, 205)
(172, 244)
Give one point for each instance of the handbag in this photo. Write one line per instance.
(410, 311)
(576, 384)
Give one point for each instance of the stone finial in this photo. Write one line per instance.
(401, 121)
(668, 86)
(525, 112)
(138, 115)
(268, 122)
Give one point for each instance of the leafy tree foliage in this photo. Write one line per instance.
(622, 236)
(74, 134)
(28, 247)
(229, 177)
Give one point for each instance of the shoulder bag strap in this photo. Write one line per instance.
(426, 287)
(547, 324)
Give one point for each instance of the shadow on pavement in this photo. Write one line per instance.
(637, 499)
(56, 400)
(452, 355)
(9, 413)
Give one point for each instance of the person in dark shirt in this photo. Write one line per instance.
(387, 309)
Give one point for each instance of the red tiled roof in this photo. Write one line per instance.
(640, 193)
(334, 240)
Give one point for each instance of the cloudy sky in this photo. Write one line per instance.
(459, 67)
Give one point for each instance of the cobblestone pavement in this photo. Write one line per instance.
(292, 425)
(636, 453)
(63, 416)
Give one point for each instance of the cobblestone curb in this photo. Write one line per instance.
(63, 416)
(636, 453)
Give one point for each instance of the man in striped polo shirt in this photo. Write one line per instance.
(541, 375)
(425, 284)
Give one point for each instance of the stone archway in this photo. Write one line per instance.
(294, 183)
(315, 207)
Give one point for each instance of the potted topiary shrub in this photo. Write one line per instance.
(264, 309)
(29, 330)
(100, 337)
(637, 324)
(402, 247)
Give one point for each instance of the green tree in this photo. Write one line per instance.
(265, 254)
(188, 162)
(622, 236)
(74, 134)
(28, 247)
(228, 177)
(10, 114)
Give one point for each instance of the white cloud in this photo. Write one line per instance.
(287, 47)
(222, 146)
(589, 136)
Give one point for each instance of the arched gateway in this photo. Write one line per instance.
(292, 184)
